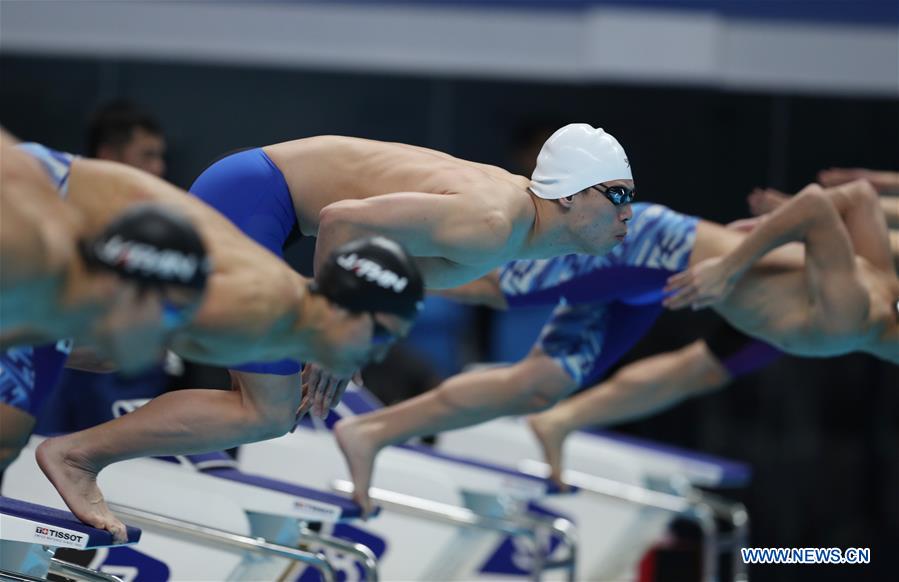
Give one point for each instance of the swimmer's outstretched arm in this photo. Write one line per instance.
(452, 234)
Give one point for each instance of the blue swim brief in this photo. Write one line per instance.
(250, 190)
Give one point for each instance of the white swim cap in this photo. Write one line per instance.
(577, 157)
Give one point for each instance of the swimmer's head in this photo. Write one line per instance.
(575, 158)
(587, 172)
(156, 265)
(122, 132)
(152, 246)
(376, 279)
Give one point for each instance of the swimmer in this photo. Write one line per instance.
(255, 307)
(459, 219)
(109, 286)
(115, 289)
(843, 297)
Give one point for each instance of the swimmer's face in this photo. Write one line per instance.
(139, 322)
(596, 223)
(144, 150)
(353, 340)
(387, 329)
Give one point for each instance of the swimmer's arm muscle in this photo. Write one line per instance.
(449, 228)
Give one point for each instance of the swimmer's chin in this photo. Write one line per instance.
(601, 248)
(611, 245)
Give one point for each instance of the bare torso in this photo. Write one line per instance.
(325, 169)
(772, 300)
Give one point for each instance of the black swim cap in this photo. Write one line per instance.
(152, 245)
(372, 275)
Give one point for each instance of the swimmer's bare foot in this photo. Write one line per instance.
(76, 481)
(359, 452)
(764, 200)
(551, 436)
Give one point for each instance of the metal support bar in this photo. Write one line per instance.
(735, 514)
(76, 572)
(611, 488)
(363, 554)
(9, 576)
(257, 545)
(565, 529)
(688, 506)
(460, 516)
(705, 518)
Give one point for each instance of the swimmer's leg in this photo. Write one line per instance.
(260, 406)
(530, 385)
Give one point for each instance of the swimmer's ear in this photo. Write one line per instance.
(566, 201)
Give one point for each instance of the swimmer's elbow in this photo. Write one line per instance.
(815, 206)
(339, 214)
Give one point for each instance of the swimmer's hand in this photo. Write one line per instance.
(322, 390)
(704, 284)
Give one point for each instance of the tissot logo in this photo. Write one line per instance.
(56, 534)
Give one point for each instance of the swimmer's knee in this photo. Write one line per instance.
(540, 401)
(542, 382)
(709, 373)
(270, 422)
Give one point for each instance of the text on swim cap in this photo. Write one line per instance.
(165, 264)
(373, 272)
